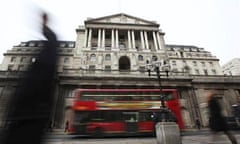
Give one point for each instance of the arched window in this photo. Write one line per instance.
(92, 57)
(140, 57)
(107, 57)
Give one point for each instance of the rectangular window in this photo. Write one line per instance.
(174, 63)
(108, 36)
(71, 45)
(95, 35)
(189, 55)
(108, 46)
(10, 67)
(205, 71)
(194, 63)
(142, 69)
(92, 68)
(203, 64)
(174, 70)
(214, 72)
(108, 57)
(66, 60)
(23, 59)
(94, 45)
(65, 68)
(122, 46)
(21, 68)
(107, 68)
(32, 44)
(63, 45)
(121, 37)
(211, 64)
(197, 72)
(13, 59)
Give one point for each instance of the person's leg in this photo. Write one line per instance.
(231, 137)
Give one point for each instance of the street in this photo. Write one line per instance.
(200, 137)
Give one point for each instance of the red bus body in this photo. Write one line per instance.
(120, 111)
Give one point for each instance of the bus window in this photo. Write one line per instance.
(130, 116)
(168, 96)
(82, 117)
(145, 116)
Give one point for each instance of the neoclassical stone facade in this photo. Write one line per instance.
(111, 52)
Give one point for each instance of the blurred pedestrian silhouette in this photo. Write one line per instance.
(217, 123)
(66, 126)
(49, 126)
(198, 124)
(31, 106)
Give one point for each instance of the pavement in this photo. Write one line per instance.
(191, 136)
(187, 132)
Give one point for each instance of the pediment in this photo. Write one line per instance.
(121, 19)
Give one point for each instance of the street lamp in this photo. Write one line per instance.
(164, 120)
(157, 65)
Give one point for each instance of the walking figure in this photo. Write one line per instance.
(49, 128)
(66, 126)
(217, 123)
(31, 107)
(198, 124)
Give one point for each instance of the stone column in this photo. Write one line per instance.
(146, 40)
(142, 40)
(117, 46)
(85, 38)
(89, 38)
(159, 41)
(133, 40)
(103, 38)
(154, 40)
(112, 38)
(99, 38)
(129, 40)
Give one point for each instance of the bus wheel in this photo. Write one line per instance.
(98, 133)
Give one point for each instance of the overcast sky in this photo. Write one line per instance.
(211, 24)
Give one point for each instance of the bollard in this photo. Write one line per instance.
(167, 133)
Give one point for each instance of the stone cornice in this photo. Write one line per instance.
(205, 58)
(124, 26)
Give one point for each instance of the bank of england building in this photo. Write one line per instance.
(121, 51)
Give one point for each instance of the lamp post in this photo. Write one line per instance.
(157, 65)
(164, 120)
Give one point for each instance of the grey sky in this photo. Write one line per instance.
(211, 24)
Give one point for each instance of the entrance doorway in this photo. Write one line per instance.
(124, 63)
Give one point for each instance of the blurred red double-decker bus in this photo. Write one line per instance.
(100, 112)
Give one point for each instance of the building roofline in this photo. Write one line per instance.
(120, 14)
